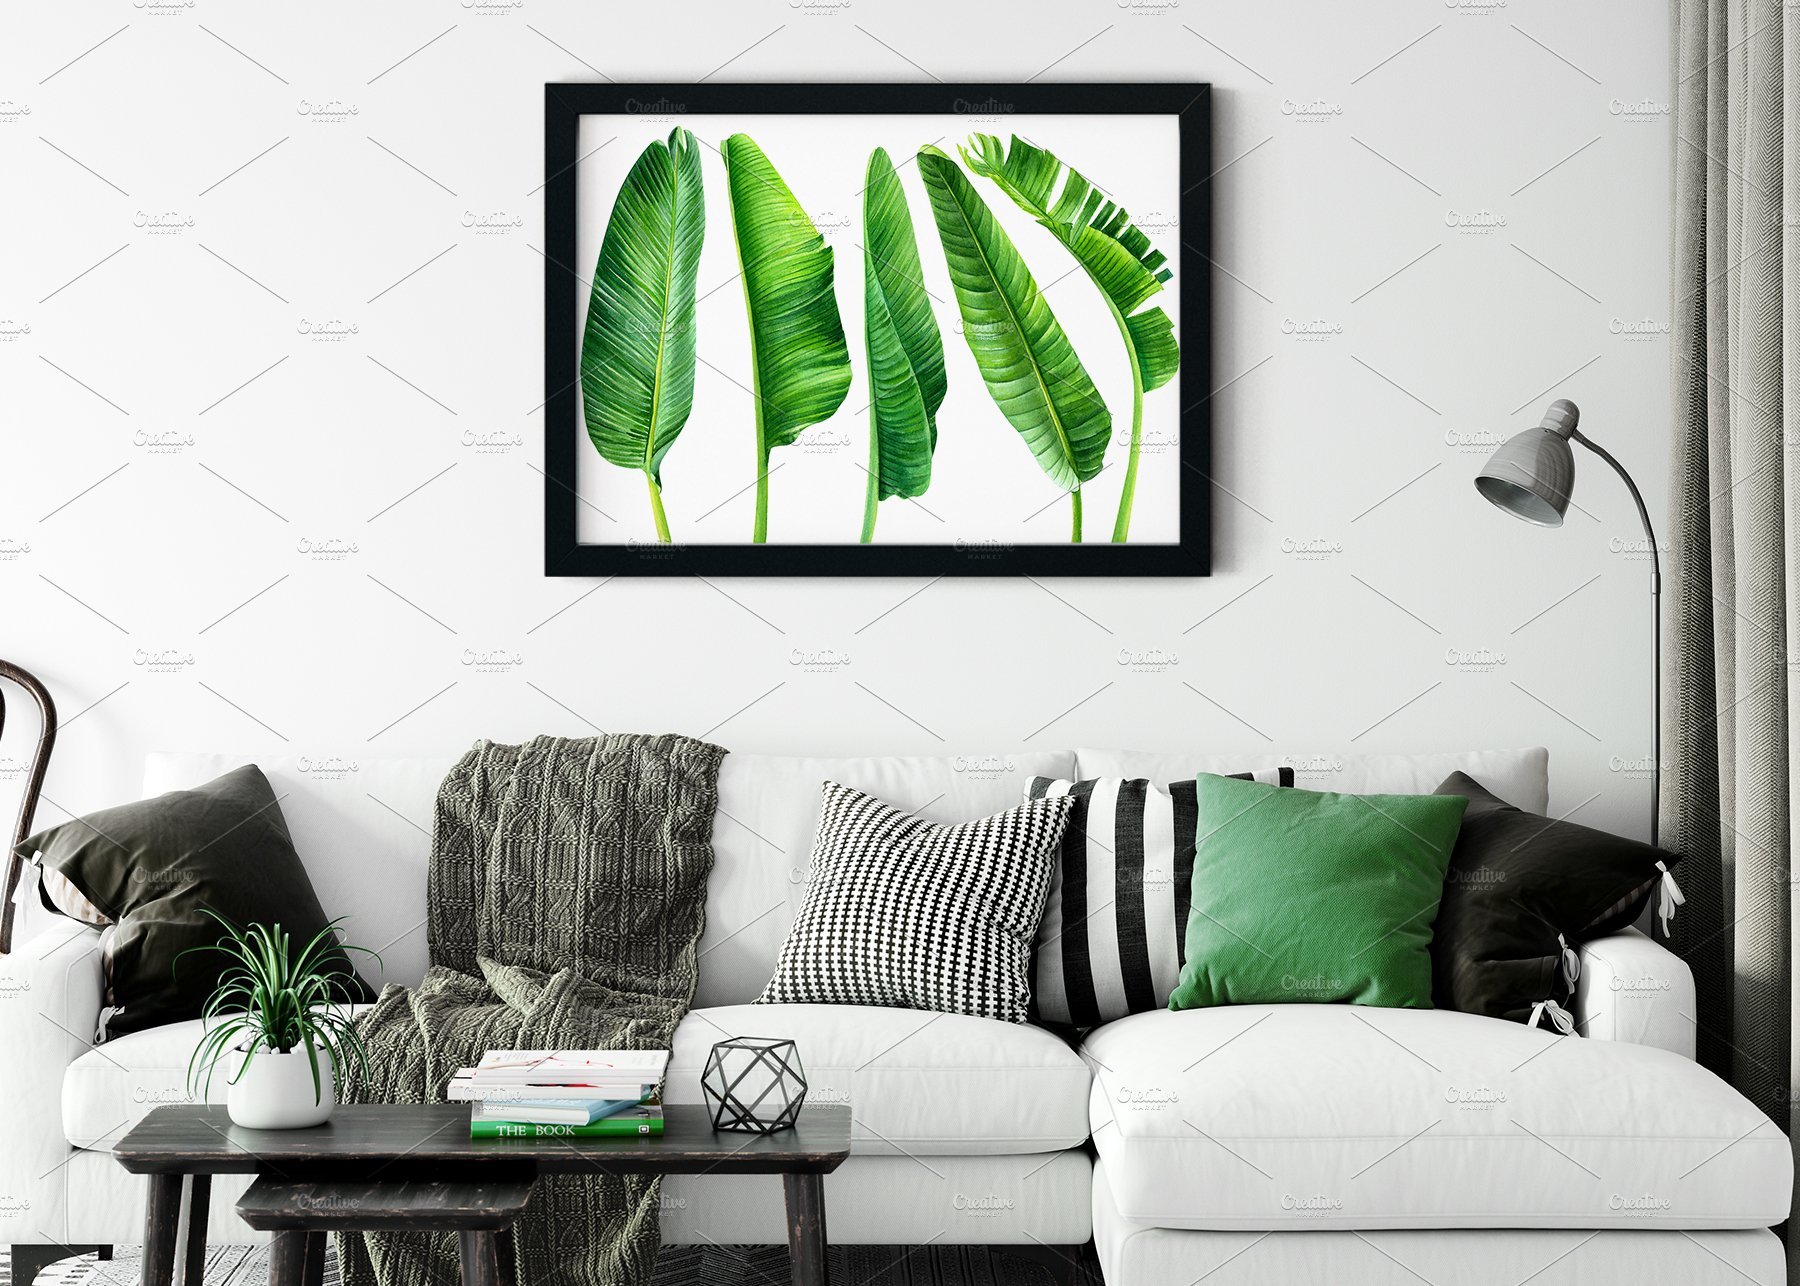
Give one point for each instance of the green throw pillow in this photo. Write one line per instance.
(1302, 895)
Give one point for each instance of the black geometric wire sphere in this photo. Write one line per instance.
(754, 1084)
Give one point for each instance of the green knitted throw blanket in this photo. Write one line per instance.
(567, 893)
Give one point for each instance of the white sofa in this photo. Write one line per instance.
(1252, 1144)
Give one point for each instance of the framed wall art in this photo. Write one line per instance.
(844, 330)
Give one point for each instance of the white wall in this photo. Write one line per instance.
(113, 550)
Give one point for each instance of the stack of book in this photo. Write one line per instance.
(562, 1093)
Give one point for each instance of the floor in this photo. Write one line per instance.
(678, 1266)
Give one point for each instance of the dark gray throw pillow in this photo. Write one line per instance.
(1521, 894)
(148, 868)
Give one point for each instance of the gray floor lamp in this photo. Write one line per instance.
(1530, 476)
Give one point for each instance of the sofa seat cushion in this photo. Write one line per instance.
(918, 1084)
(112, 1087)
(1293, 1116)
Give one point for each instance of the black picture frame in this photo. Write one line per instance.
(564, 555)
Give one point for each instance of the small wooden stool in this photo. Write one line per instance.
(480, 1213)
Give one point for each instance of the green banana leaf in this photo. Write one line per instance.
(906, 352)
(800, 364)
(638, 353)
(1026, 360)
(1118, 258)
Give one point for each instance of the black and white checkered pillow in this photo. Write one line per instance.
(910, 914)
(1114, 932)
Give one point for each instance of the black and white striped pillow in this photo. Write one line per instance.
(1114, 932)
(910, 914)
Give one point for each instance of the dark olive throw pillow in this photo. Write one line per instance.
(147, 869)
(1521, 894)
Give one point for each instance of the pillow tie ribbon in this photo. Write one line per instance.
(1571, 961)
(1668, 898)
(1560, 1019)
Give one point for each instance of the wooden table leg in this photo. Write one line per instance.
(480, 1258)
(193, 1230)
(315, 1259)
(806, 1227)
(162, 1219)
(287, 1257)
(506, 1255)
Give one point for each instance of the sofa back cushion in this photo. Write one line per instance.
(363, 829)
(1520, 777)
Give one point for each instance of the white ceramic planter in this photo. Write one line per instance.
(275, 1092)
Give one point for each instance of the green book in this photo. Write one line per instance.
(625, 1125)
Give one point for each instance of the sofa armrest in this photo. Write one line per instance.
(50, 991)
(1636, 990)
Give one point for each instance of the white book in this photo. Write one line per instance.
(464, 1089)
(592, 1068)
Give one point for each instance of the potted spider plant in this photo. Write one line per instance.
(287, 1014)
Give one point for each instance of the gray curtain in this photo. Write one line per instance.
(1731, 767)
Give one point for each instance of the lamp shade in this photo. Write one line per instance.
(1532, 474)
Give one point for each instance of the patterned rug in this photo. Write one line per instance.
(677, 1266)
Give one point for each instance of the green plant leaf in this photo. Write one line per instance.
(271, 998)
(638, 353)
(1026, 360)
(905, 350)
(1116, 254)
(799, 361)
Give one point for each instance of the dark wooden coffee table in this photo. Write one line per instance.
(181, 1148)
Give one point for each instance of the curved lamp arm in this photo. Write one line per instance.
(34, 784)
(1656, 601)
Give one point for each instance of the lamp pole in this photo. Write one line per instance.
(1656, 628)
